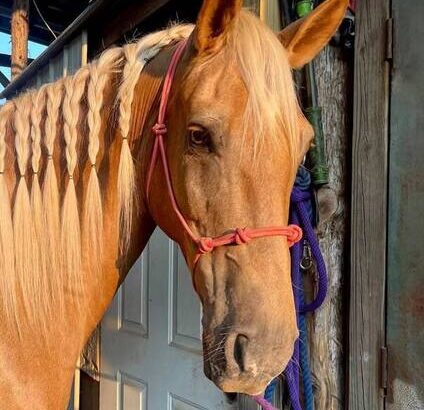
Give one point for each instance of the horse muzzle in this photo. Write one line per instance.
(242, 364)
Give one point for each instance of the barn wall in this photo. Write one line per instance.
(66, 62)
(334, 73)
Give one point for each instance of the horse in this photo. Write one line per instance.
(75, 215)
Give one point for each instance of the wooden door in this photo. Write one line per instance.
(151, 350)
(405, 273)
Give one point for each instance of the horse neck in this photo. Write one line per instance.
(62, 348)
(143, 116)
(119, 259)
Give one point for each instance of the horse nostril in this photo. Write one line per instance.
(240, 346)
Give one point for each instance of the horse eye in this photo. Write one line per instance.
(199, 136)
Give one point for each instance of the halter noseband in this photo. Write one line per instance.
(238, 236)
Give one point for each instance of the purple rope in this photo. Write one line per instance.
(296, 254)
(262, 402)
(292, 371)
(299, 215)
(291, 374)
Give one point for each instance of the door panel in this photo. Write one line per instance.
(133, 303)
(185, 330)
(151, 339)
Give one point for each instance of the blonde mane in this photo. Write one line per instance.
(272, 108)
(42, 235)
(43, 261)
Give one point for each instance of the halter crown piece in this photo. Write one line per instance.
(238, 236)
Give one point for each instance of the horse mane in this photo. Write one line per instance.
(272, 108)
(42, 236)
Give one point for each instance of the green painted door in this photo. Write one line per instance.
(405, 275)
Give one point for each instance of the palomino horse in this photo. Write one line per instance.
(74, 212)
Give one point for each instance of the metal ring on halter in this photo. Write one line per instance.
(307, 261)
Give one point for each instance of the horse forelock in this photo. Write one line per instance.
(272, 106)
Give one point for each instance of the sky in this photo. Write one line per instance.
(34, 50)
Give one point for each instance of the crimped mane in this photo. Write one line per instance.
(41, 236)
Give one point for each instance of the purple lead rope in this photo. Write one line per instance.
(299, 216)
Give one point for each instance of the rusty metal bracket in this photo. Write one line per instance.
(383, 369)
(389, 40)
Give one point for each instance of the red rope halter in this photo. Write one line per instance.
(238, 236)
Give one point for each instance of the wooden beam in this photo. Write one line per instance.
(5, 60)
(88, 16)
(4, 81)
(19, 33)
(89, 392)
(369, 207)
(117, 25)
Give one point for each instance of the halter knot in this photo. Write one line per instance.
(159, 129)
(206, 245)
(241, 236)
(294, 234)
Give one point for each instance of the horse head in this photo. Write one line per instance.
(235, 138)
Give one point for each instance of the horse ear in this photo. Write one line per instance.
(305, 38)
(214, 20)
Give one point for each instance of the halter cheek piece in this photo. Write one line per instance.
(238, 236)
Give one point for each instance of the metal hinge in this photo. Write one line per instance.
(389, 39)
(383, 369)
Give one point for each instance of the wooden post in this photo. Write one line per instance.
(334, 82)
(20, 32)
(369, 207)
